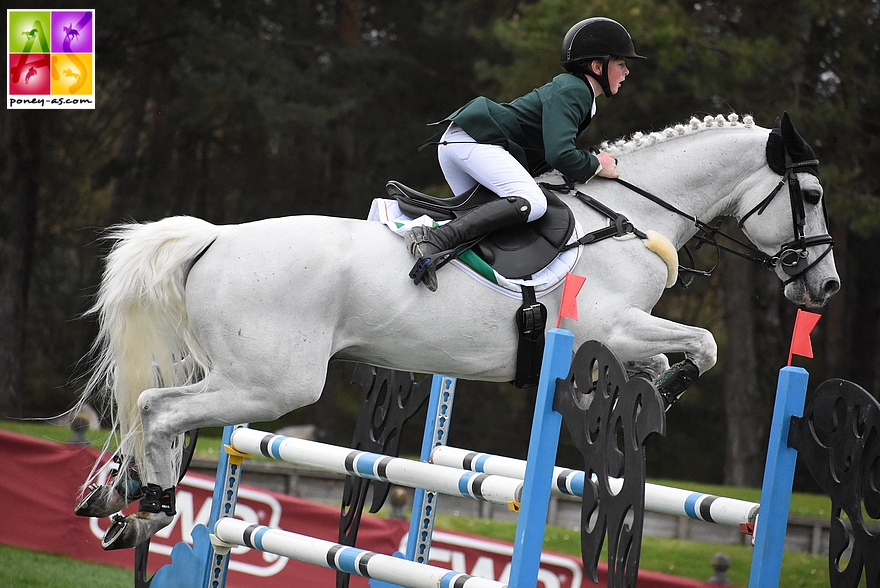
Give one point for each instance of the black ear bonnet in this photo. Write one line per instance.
(785, 147)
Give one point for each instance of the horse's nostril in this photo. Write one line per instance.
(831, 287)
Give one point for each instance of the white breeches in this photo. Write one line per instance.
(465, 163)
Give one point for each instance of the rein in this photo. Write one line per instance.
(792, 255)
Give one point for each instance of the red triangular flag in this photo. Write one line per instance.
(800, 340)
(569, 306)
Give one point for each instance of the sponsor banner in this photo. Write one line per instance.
(41, 482)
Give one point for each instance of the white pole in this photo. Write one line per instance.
(374, 466)
(662, 499)
(351, 560)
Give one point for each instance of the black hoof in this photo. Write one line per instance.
(102, 501)
(117, 535)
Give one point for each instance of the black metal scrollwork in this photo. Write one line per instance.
(609, 417)
(839, 440)
(390, 399)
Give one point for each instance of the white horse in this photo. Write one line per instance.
(204, 325)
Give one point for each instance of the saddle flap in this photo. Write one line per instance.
(521, 251)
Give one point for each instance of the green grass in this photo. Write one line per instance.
(21, 568)
(688, 559)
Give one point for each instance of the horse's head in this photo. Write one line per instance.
(792, 229)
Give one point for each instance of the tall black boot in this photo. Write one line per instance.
(427, 242)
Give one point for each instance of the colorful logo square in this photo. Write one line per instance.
(72, 31)
(50, 58)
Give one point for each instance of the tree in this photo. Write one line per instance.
(815, 60)
(18, 206)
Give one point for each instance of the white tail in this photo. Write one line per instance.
(144, 336)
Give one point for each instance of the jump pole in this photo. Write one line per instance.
(351, 560)
(375, 466)
(661, 499)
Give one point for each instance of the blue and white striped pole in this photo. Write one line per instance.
(662, 499)
(350, 560)
(375, 466)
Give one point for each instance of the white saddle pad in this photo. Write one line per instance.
(387, 212)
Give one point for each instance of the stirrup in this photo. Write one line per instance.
(438, 260)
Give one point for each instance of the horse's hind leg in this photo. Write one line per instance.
(168, 412)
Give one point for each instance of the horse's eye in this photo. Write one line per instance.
(812, 197)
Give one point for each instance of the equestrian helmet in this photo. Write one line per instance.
(595, 38)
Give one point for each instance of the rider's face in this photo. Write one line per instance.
(617, 72)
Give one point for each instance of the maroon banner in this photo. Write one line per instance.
(42, 480)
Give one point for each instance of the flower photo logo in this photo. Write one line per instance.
(50, 59)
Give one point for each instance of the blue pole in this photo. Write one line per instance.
(543, 444)
(791, 393)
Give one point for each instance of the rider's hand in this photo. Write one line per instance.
(609, 165)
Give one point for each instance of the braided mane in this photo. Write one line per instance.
(639, 140)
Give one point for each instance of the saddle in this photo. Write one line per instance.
(514, 253)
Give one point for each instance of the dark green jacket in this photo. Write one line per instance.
(538, 129)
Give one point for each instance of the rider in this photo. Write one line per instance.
(504, 146)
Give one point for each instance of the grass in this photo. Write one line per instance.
(688, 559)
(21, 568)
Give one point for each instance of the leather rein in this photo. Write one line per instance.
(792, 256)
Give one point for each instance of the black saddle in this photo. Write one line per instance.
(516, 252)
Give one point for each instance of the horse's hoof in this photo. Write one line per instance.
(132, 530)
(102, 501)
(677, 379)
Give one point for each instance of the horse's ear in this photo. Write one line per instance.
(789, 133)
(798, 149)
(775, 150)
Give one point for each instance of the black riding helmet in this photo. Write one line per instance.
(596, 38)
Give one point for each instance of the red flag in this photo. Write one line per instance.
(800, 340)
(569, 306)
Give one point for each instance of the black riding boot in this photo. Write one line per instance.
(427, 242)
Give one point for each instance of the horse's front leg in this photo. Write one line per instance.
(640, 337)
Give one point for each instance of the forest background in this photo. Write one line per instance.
(240, 110)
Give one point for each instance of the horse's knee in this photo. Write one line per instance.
(704, 353)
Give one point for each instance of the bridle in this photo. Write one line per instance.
(792, 256)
